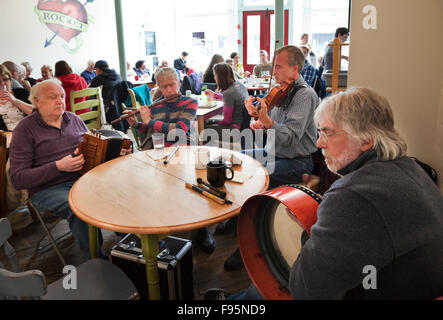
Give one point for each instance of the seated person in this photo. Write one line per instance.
(342, 34)
(130, 73)
(15, 74)
(107, 78)
(308, 72)
(208, 76)
(89, 73)
(28, 77)
(180, 63)
(46, 71)
(233, 94)
(264, 68)
(141, 70)
(22, 77)
(238, 66)
(12, 111)
(70, 82)
(290, 128)
(174, 119)
(384, 212)
(230, 62)
(292, 122)
(163, 64)
(41, 155)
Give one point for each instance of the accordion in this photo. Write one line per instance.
(99, 146)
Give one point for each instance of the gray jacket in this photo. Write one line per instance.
(386, 214)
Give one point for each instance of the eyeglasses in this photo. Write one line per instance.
(5, 79)
(325, 134)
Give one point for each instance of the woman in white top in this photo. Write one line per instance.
(12, 110)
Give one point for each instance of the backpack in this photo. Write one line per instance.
(432, 173)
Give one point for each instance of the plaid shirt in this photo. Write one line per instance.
(308, 73)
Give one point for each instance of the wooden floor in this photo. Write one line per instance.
(208, 269)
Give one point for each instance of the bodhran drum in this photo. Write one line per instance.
(270, 227)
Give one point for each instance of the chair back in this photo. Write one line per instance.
(3, 152)
(133, 130)
(187, 84)
(17, 284)
(95, 117)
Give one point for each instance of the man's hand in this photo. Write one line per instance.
(263, 116)
(256, 125)
(145, 113)
(70, 163)
(131, 119)
(252, 110)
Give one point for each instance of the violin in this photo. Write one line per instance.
(277, 94)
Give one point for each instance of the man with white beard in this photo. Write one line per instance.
(379, 232)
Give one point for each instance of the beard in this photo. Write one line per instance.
(335, 164)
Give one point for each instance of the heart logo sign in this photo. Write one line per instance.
(66, 18)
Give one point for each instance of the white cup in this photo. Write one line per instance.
(201, 158)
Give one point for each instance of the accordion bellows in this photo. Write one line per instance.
(99, 146)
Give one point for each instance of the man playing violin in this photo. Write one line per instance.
(290, 128)
(291, 132)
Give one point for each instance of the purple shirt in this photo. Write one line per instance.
(36, 146)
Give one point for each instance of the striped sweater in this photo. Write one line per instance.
(169, 116)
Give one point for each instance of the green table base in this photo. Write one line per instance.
(150, 251)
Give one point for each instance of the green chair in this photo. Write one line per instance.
(95, 118)
(134, 131)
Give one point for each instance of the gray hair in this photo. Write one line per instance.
(27, 65)
(365, 115)
(295, 56)
(35, 90)
(90, 63)
(165, 72)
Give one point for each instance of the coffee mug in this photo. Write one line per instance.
(216, 173)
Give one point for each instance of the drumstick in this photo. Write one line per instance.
(127, 115)
(206, 194)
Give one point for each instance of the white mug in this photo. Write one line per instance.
(201, 158)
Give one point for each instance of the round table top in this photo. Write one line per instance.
(136, 194)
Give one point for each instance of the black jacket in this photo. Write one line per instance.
(107, 79)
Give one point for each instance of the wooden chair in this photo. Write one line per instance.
(3, 157)
(95, 118)
(96, 279)
(133, 130)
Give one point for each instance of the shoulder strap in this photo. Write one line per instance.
(292, 94)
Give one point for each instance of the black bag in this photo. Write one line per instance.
(432, 173)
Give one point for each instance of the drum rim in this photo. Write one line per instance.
(250, 246)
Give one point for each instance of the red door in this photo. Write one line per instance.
(259, 34)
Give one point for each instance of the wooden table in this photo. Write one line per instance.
(5, 140)
(134, 194)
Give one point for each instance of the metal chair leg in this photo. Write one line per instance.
(48, 233)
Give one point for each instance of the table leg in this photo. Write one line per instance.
(200, 127)
(150, 252)
(93, 242)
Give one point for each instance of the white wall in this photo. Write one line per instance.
(402, 59)
(23, 36)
